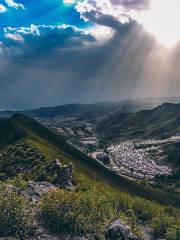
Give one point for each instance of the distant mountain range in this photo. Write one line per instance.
(162, 121)
(84, 111)
(92, 111)
(121, 120)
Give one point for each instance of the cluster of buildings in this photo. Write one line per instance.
(135, 162)
(154, 143)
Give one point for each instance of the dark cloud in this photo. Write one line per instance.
(38, 40)
(59, 72)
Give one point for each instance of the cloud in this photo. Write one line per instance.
(14, 37)
(13, 4)
(38, 40)
(63, 64)
(3, 9)
(54, 64)
(110, 12)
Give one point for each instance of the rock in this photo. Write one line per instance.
(55, 165)
(63, 174)
(36, 190)
(65, 177)
(119, 231)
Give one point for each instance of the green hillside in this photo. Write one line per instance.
(33, 147)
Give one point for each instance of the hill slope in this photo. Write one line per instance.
(163, 121)
(87, 170)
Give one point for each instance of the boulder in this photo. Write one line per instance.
(119, 231)
(65, 177)
(63, 174)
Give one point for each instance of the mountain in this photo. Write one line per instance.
(162, 121)
(84, 111)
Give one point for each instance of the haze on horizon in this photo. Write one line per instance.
(64, 51)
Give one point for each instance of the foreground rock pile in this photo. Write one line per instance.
(34, 191)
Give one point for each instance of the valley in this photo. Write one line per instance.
(138, 158)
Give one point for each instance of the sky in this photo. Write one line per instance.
(81, 51)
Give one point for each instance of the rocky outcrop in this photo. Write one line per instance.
(64, 174)
(35, 190)
(119, 231)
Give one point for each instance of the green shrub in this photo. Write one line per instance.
(166, 226)
(76, 213)
(145, 210)
(123, 202)
(173, 233)
(16, 216)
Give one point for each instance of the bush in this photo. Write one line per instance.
(173, 233)
(16, 216)
(76, 213)
(166, 226)
(145, 210)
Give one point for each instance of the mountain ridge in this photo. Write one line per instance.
(162, 121)
(87, 111)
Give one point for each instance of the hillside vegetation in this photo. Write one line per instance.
(101, 195)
